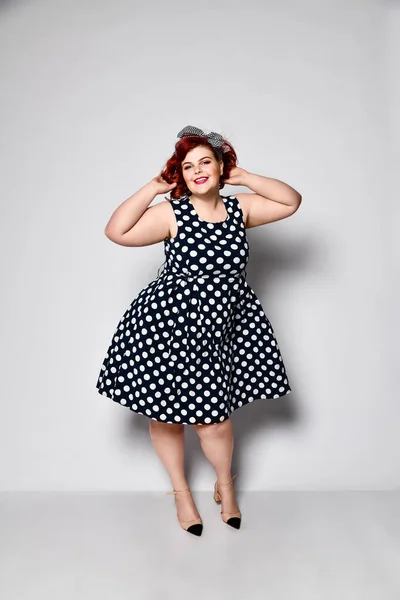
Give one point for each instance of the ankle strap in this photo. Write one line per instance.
(227, 484)
(179, 491)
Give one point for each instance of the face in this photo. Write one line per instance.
(201, 163)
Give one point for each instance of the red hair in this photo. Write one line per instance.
(173, 170)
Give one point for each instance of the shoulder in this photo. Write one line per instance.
(244, 201)
(169, 203)
(161, 208)
(166, 212)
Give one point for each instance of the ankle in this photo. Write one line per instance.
(225, 487)
(225, 481)
(180, 485)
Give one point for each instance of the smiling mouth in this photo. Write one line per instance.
(201, 180)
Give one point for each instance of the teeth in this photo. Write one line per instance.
(201, 179)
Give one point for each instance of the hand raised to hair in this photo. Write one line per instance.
(237, 176)
(162, 186)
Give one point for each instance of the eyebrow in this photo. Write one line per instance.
(192, 163)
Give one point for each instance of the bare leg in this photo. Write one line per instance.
(169, 443)
(217, 443)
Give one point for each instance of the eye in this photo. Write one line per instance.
(206, 162)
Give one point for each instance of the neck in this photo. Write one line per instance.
(211, 199)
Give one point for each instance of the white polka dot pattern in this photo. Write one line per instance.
(195, 344)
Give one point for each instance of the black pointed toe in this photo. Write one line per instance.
(234, 522)
(195, 529)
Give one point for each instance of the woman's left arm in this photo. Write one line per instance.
(272, 199)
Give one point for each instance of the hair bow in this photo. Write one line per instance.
(215, 139)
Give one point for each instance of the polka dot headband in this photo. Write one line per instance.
(215, 139)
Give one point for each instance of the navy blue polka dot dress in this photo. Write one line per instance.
(195, 344)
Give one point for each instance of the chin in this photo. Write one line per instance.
(206, 188)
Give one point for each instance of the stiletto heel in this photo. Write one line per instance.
(194, 526)
(232, 519)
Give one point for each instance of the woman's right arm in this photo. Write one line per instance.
(135, 223)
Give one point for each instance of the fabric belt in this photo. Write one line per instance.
(194, 277)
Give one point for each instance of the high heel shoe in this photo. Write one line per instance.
(232, 519)
(195, 526)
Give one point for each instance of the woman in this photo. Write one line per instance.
(195, 344)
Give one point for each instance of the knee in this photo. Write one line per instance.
(158, 428)
(213, 430)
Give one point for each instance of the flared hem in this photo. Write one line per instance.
(210, 420)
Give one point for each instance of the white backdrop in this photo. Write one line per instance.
(92, 97)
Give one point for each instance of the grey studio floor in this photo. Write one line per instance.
(292, 545)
